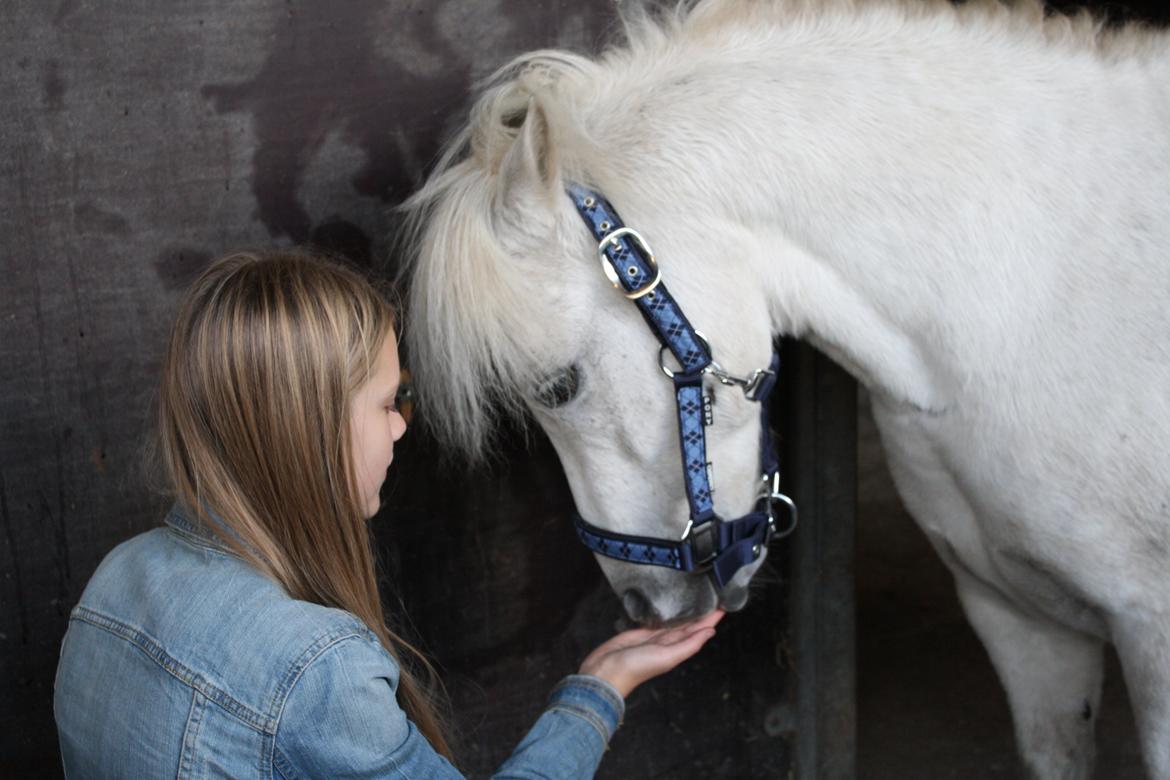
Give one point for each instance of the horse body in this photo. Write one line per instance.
(966, 208)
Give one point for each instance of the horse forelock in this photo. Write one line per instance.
(474, 314)
(466, 308)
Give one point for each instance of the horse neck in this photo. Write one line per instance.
(888, 177)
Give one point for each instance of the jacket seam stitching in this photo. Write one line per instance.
(297, 670)
(308, 656)
(151, 648)
(284, 765)
(265, 762)
(610, 702)
(589, 682)
(190, 737)
(194, 540)
(587, 715)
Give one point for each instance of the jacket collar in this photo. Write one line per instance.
(181, 519)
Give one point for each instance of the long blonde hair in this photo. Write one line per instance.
(264, 359)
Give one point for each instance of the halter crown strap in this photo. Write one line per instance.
(710, 543)
(633, 271)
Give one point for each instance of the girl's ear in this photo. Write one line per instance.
(529, 167)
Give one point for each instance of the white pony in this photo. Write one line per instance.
(967, 207)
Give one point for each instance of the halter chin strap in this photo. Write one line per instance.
(709, 543)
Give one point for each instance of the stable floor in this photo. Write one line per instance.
(929, 703)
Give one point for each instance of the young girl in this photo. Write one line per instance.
(246, 637)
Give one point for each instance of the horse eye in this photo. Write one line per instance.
(404, 398)
(559, 388)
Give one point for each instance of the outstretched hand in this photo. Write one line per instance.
(633, 657)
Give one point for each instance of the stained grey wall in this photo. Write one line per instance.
(139, 140)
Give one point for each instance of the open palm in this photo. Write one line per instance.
(633, 657)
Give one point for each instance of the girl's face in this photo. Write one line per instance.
(375, 425)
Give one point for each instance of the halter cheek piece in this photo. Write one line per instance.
(709, 543)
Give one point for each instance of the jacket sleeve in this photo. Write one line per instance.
(341, 720)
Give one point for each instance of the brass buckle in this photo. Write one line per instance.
(611, 239)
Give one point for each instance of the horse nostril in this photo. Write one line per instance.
(637, 606)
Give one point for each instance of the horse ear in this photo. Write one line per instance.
(529, 166)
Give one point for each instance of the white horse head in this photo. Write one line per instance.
(510, 308)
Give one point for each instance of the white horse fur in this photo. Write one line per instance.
(967, 207)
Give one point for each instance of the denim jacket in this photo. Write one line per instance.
(181, 660)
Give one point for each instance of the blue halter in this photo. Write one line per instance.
(709, 543)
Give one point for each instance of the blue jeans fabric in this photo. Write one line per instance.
(181, 660)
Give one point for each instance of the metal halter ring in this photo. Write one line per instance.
(611, 239)
(749, 385)
(662, 355)
(770, 493)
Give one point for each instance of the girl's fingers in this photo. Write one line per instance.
(700, 637)
(711, 618)
(668, 635)
(632, 657)
(635, 636)
(705, 621)
(689, 645)
(682, 635)
(674, 641)
(672, 635)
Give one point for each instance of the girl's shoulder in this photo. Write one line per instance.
(205, 615)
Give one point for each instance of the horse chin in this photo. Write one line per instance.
(733, 599)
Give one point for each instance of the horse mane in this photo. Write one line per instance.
(472, 318)
(1079, 30)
